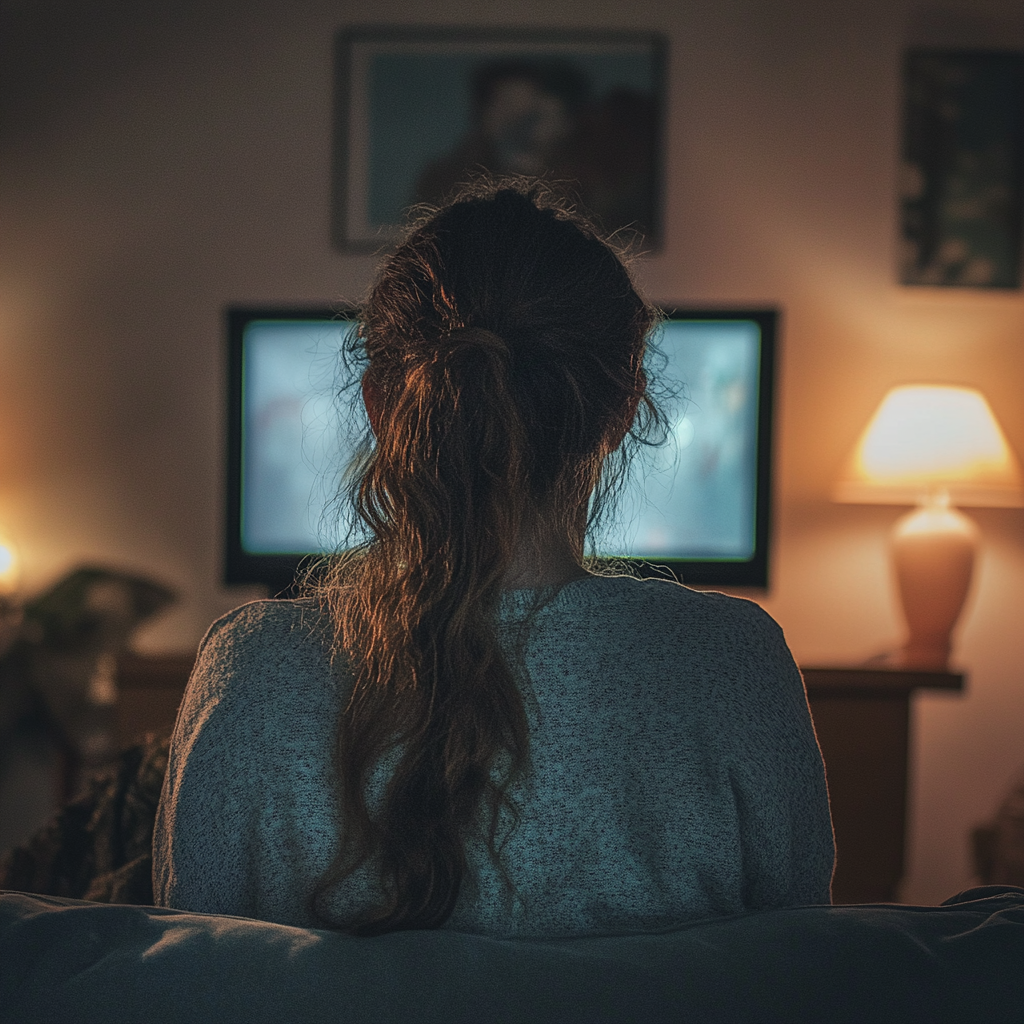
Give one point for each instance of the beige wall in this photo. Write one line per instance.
(154, 167)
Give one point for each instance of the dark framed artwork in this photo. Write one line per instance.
(419, 110)
(962, 168)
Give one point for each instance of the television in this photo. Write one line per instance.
(696, 508)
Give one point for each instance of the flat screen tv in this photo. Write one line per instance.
(697, 507)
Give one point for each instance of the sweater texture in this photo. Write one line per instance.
(675, 771)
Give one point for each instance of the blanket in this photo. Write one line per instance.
(98, 846)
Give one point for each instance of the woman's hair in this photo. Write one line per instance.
(504, 342)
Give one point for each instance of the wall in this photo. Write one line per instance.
(155, 166)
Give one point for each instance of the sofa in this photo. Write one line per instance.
(79, 942)
(66, 960)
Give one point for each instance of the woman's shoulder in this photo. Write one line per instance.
(277, 621)
(731, 643)
(267, 639)
(660, 614)
(272, 618)
(666, 597)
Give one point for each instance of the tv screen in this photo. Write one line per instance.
(696, 507)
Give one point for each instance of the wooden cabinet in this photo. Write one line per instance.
(862, 718)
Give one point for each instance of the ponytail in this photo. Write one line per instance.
(495, 405)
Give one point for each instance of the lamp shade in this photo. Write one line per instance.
(930, 439)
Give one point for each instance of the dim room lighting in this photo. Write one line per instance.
(934, 446)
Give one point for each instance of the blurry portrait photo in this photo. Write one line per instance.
(419, 112)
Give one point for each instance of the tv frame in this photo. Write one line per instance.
(277, 571)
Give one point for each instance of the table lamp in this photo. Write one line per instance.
(936, 447)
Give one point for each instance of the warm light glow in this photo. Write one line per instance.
(928, 439)
(9, 568)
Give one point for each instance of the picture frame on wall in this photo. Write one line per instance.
(962, 170)
(420, 110)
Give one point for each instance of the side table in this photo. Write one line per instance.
(862, 718)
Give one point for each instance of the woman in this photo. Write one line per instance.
(466, 728)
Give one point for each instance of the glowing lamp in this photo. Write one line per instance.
(936, 447)
(10, 569)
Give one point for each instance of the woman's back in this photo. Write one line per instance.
(675, 774)
(393, 753)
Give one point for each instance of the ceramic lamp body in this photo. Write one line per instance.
(933, 551)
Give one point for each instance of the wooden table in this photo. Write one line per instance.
(861, 716)
(149, 692)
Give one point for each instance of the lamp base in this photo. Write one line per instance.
(933, 550)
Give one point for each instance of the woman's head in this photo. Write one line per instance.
(504, 344)
(504, 321)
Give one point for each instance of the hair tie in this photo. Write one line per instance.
(478, 338)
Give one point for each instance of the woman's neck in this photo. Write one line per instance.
(544, 561)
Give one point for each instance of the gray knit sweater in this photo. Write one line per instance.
(675, 775)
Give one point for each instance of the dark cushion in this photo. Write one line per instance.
(67, 960)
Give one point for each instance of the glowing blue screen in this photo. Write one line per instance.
(693, 497)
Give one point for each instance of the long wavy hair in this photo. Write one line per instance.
(504, 340)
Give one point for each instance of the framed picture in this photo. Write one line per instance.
(417, 111)
(962, 168)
